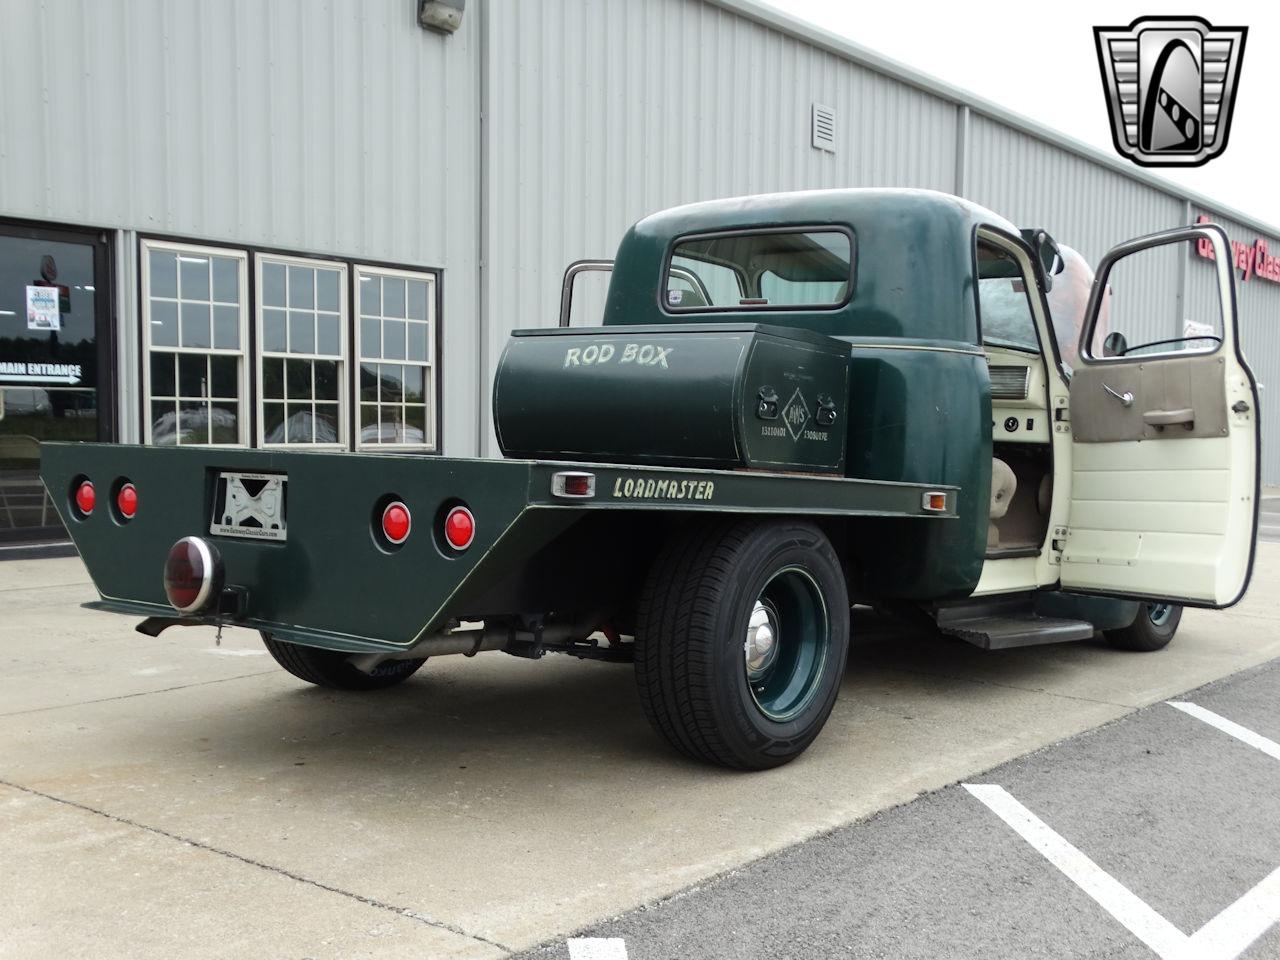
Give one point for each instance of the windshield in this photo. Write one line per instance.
(1004, 310)
(761, 270)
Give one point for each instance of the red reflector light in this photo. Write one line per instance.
(573, 484)
(192, 574)
(86, 498)
(127, 501)
(459, 528)
(396, 522)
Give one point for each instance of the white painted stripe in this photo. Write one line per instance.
(1110, 894)
(1230, 932)
(1224, 937)
(1243, 734)
(597, 948)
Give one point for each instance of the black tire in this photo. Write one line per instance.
(1152, 629)
(691, 634)
(329, 668)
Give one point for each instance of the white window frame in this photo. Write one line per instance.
(343, 357)
(242, 418)
(431, 442)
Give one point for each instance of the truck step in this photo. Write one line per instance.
(1014, 629)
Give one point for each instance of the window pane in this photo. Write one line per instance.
(226, 279)
(418, 342)
(805, 268)
(164, 324)
(302, 332)
(224, 380)
(194, 274)
(223, 423)
(273, 284)
(298, 379)
(164, 423)
(273, 422)
(392, 387)
(392, 297)
(326, 379)
(273, 378)
(370, 296)
(413, 384)
(164, 273)
(193, 374)
(369, 423)
(368, 381)
(327, 289)
(415, 424)
(163, 378)
(298, 425)
(327, 340)
(370, 337)
(273, 331)
(326, 423)
(393, 337)
(226, 328)
(193, 423)
(302, 287)
(195, 325)
(417, 299)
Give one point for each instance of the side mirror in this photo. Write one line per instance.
(1114, 345)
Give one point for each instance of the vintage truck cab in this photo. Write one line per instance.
(794, 403)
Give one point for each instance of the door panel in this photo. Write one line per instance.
(1164, 453)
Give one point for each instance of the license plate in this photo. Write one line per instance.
(249, 505)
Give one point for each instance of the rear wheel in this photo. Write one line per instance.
(1152, 629)
(329, 668)
(741, 640)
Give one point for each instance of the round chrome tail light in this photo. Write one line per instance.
(192, 574)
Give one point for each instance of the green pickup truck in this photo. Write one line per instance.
(795, 404)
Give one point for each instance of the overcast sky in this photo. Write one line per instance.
(1045, 67)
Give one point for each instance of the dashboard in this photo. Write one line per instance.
(1019, 413)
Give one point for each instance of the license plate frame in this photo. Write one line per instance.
(250, 506)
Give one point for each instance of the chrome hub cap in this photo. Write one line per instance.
(1159, 613)
(761, 645)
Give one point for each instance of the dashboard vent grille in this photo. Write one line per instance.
(1009, 383)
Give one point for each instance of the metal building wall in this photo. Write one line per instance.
(601, 111)
(339, 127)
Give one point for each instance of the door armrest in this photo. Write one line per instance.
(1164, 418)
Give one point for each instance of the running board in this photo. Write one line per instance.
(1002, 625)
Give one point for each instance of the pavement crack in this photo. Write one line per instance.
(406, 912)
(140, 693)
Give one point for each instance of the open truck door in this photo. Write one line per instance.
(1164, 424)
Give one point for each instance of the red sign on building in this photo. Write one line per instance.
(1250, 259)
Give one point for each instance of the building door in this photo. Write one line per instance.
(56, 363)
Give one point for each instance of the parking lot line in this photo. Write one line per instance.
(597, 948)
(1224, 937)
(1243, 734)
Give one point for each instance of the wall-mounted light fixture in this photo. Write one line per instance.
(442, 16)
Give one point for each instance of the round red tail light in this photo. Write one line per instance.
(459, 528)
(192, 574)
(396, 522)
(86, 498)
(127, 501)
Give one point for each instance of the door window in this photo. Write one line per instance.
(52, 371)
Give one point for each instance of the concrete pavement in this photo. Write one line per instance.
(163, 797)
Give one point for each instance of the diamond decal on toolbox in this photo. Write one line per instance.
(796, 414)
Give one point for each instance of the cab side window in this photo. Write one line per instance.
(1004, 310)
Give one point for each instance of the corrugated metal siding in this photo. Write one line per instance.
(329, 127)
(601, 111)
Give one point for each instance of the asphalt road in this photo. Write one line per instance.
(168, 797)
(1179, 813)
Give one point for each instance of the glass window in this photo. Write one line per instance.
(1004, 310)
(777, 269)
(396, 333)
(194, 319)
(302, 335)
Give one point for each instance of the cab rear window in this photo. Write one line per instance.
(761, 270)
